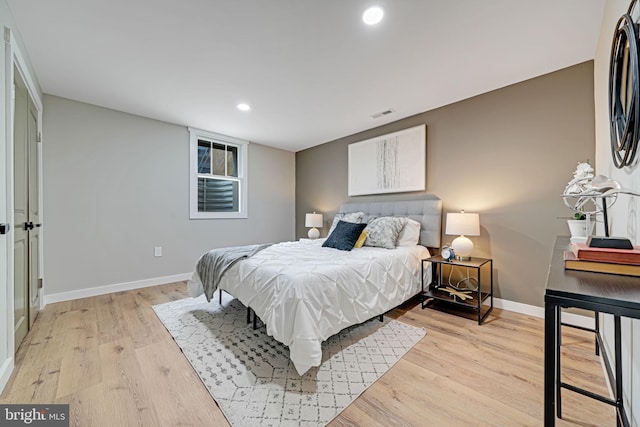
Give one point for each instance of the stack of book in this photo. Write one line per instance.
(603, 260)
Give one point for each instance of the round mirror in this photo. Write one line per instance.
(624, 87)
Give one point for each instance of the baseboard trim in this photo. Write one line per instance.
(532, 310)
(5, 372)
(118, 287)
(517, 307)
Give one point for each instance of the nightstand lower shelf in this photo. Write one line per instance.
(435, 291)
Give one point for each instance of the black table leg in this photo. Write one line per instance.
(618, 356)
(597, 330)
(558, 345)
(550, 319)
(479, 296)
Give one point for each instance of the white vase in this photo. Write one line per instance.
(578, 228)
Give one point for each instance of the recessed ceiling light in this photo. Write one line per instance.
(244, 107)
(373, 15)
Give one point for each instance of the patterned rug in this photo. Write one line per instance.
(249, 374)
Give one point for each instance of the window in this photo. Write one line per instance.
(218, 176)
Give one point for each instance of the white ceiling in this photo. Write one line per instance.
(310, 69)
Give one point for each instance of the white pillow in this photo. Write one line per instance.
(410, 234)
(355, 217)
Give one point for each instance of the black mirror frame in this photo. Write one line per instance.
(624, 120)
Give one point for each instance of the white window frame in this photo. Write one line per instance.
(243, 154)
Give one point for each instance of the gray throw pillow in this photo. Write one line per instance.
(383, 232)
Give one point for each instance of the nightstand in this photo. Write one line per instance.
(473, 290)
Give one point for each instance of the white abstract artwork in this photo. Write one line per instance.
(392, 163)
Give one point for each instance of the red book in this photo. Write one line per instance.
(617, 256)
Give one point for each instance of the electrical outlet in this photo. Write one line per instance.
(158, 251)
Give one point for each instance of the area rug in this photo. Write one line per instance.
(249, 374)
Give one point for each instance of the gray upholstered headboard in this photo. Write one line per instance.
(427, 211)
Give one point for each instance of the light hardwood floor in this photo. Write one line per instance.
(113, 361)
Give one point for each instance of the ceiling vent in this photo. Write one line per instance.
(382, 113)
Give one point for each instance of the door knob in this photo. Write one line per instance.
(28, 225)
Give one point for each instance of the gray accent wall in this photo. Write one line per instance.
(506, 154)
(116, 185)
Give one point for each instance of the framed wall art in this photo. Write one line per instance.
(392, 163)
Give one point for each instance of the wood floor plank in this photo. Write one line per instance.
(80, 366)
(514, 385)
(125, 386)
(463, 405)
(36, 383)
(180, 403)
(459, 374)
(111, 322)
(140, 322)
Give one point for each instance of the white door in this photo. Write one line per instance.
(26, 214)
(34, 213)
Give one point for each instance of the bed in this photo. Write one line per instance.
(304, 292)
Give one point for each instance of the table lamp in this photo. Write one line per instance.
(463, 224)
(313, 220)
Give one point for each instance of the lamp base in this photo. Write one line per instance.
(313, 233)
(462, 246)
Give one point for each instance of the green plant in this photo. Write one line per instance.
(579, 215)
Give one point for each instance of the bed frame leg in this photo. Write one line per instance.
(380, 318)
(255, 320)
(220, 297)
(248, 315)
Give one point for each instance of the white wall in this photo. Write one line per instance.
(624, 216)
(117, 185)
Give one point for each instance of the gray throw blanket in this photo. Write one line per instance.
(212, 265)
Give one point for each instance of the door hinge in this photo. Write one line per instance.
(39, 137)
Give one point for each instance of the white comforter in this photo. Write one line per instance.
(305, 293)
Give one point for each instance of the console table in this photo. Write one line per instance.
(599, 292)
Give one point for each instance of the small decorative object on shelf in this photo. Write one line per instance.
(580, 225)
(589, 195)
(463, 295)
(448, 253)
(609, 242)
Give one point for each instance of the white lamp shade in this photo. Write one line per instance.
(313, 220)
(463, 224)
